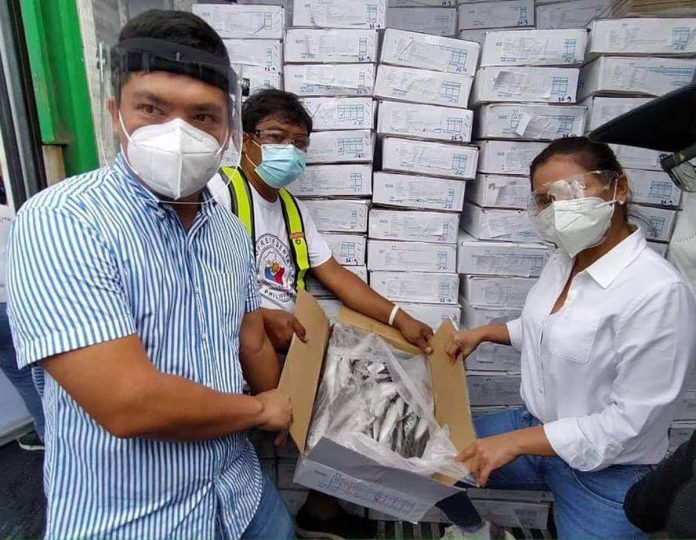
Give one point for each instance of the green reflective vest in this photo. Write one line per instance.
(243, 207)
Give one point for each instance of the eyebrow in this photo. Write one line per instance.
(208, 107)
(150, 97)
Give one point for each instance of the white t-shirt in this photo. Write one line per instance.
(275, 268)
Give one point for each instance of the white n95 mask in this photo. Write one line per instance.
(577, 224)
(173, 159)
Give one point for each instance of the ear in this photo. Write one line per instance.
(113, 111)
(622, 189)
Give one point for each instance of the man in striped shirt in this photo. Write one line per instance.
(133, 296)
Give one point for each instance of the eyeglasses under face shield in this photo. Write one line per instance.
(570, 188)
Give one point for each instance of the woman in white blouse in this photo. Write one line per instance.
(607, 336)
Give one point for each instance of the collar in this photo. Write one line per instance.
(125, 173)
(607, 268)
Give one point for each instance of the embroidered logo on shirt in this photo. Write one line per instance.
(274, 268)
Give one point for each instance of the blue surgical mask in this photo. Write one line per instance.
(281, 164)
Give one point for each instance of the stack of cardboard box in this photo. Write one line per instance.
(524, 91)
(423, 84)
(631, 61)
(330, 56)
(253, 36)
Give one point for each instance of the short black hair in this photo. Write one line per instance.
(271, 102)
(177, 27)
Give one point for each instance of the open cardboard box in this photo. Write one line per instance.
(343, 473)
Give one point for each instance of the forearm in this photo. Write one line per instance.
(357, 295)
(493, 333)
(533, 442)
(174, 408)
(261, 367)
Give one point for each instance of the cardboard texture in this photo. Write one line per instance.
(535, 48)
(500, 258)
(429, 158)
(369, 14)
(499, 191)
(496, 224)
(419, 192)
(496, 14)
(478, 35)
(474, 316)
(612, 75)
(436, 227)
(428, 20)
(338, 471)
(423, 86)
(653, 188)
(632, 157)
(259, 77)
(602, 109)
(349, 146)
(426, 288)
(525, 84)
(424, 51)
(427, 122)
(308, 45)
(526, 121)
(505, 292)
(263, 53)
(330, 79)
(243, 22)
(397, 256)
(498, 389)
(657, 223)
(569, 13)
(348, 180)
(348, 249)
(340, 113)
(508, 157)
(494, 357)
(643, 36)
(338, 216)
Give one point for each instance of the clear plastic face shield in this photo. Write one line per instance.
(681, 169)
(176, 113)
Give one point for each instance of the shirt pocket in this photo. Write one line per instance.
(571, 336)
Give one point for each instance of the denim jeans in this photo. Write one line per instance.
(587, 504)
(20, 378)
(272, 519)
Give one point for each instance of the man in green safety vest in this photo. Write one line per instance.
(287, 246)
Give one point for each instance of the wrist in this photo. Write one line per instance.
(481, 334)
(259, 414)
(400, 319)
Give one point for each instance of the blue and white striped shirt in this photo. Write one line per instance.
(97, 258)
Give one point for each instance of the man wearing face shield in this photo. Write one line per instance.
(664, 499)
(133, 296)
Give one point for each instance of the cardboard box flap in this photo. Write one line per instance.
(348, 317)
(450, 391)
(303, 363)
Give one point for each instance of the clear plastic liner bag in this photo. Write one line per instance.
(377, 401)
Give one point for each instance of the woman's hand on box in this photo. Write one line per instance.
(415, 332)
(488, 454)
(463, 343)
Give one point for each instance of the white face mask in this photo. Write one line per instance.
(173, 159)
(577, 224)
